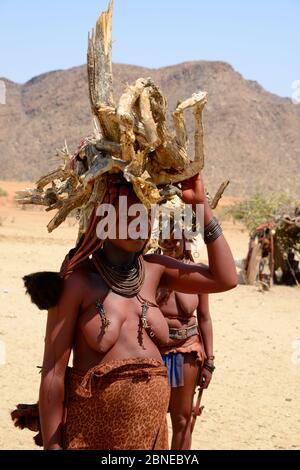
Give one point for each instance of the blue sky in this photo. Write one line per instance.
(260, 39)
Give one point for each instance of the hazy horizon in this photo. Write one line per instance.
(259, 39)
(141, 66)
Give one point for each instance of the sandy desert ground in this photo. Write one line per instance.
(253, 401)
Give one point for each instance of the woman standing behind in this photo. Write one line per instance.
(188, 355)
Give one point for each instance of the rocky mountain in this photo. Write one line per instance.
(252, 137)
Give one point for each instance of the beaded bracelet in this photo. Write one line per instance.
(209, 367)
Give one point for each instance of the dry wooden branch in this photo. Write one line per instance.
(99, 67)
(99, 61)
(172, 156)
(67, 187)
(198, 139)
(146, 192)
(77, 200)
(196, 101)
(219, 194)
(108, 120)
(57, 205)
(37, 197)
(100, 166)
(53, 175)
(180, 128)
(148, 120)
(126, 119)
(137, 166)
(130, 97)
(168, 177)
(95, 199)
(159, 111)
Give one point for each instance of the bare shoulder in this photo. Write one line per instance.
(77, 282)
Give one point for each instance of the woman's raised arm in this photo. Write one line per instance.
(220, 275)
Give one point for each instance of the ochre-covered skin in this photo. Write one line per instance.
(180, 310)
(119, 146)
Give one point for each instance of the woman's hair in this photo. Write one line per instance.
(187, 253)
(89, 243)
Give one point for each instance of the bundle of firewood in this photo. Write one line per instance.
(131, 137)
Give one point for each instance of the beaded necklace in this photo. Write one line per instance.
(122, 280)
(126, 282)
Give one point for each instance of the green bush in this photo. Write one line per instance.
(2, 193)
(259, 209)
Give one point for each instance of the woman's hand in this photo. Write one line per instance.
(204, 378)
(193, 190)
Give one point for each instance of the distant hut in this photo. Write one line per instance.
(274, 252)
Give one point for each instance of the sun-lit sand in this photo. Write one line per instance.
(253, 401)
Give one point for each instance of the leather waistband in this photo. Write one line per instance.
(183, 333)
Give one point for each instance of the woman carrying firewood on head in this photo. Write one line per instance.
(108, 316)
(102, 305)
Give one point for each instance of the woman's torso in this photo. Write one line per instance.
(178, 308)
(124, 337)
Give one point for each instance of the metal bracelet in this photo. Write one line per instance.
(212, 231)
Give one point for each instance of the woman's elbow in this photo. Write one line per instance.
(230, 282)
(51, 382)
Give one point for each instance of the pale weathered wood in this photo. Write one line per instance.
(53, 175)
(148, 120)
(137, 166)
(99, 61)
(180, 128)
(37, 197)
(219, 194)
(146, 192)
(167, 177)
(99, 67)
(173, 156)
(196, 101)
(67, 187)
(129, 98)
(252, 268)
(159, 112)
(109, 123)
(126, 119)
(96, 198)
(198, 139)
(77, 200)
